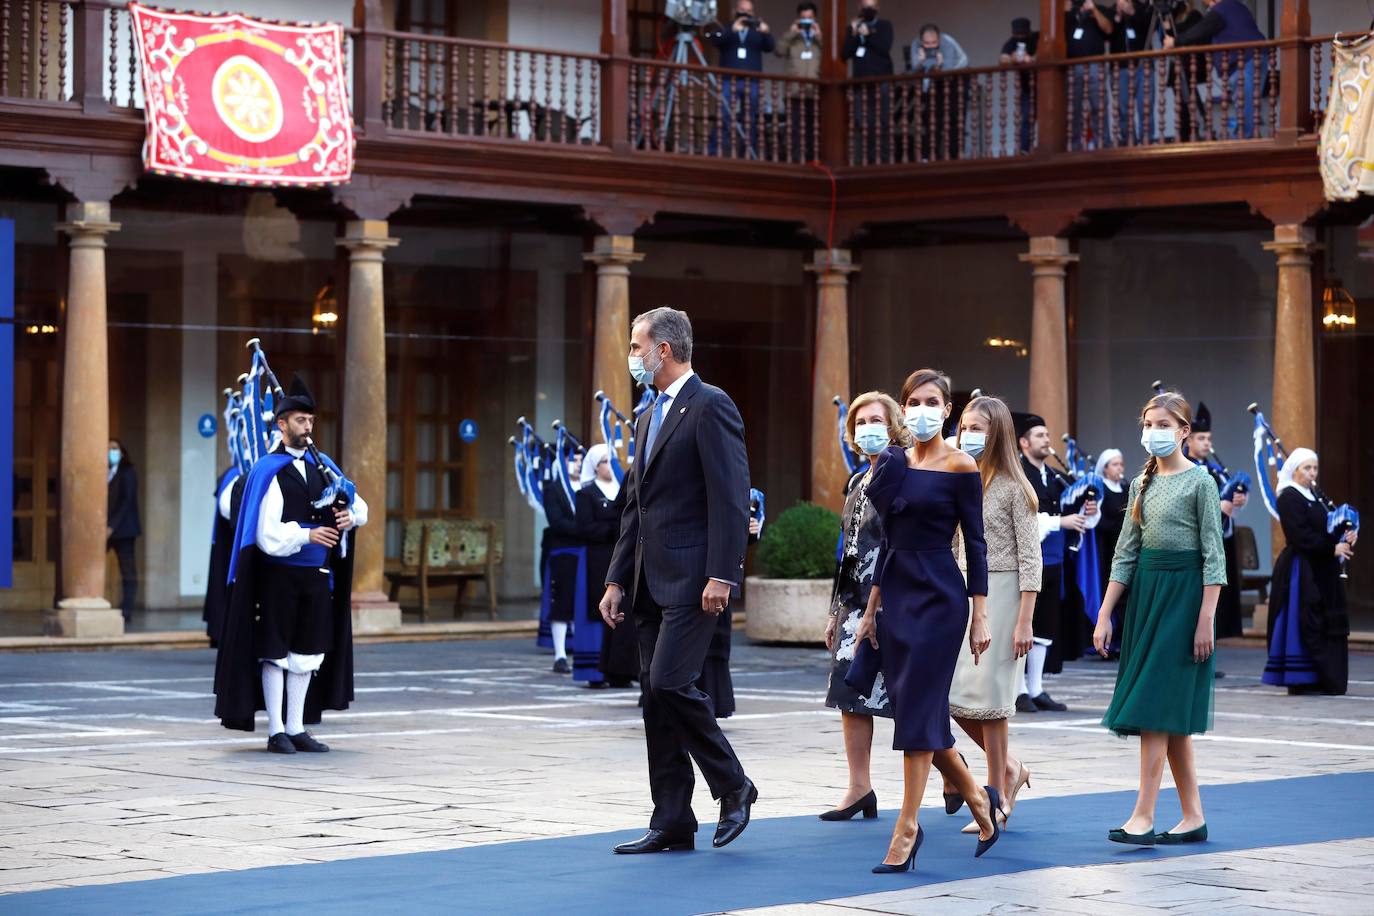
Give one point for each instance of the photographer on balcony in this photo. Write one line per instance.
(1135, 89)
(1229, 22)
(1088, 28)
(868, 45)
(802, 48)
(742, 47)
(1020, 50)
(943, 101)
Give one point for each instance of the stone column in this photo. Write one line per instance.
(612, 255)
(1294, 409)
(830, 377)
(1049, 257)
(82, 610)
(364, 413)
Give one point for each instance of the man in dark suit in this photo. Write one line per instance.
(679, 560)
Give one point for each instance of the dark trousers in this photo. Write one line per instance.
(128, 573)
(679, 720)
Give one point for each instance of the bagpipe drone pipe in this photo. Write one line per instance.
(1270, 455)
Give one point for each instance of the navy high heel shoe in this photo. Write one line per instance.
(994, 804)
(910, 863)
(953, 800)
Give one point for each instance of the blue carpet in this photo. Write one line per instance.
(777, 861)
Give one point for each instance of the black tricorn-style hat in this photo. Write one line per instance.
(1202, 419)
(1025, 422)
(298, 397)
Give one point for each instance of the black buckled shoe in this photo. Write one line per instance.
(1024, 704)
(734, 813)
(308, 745)
(280, 744)
(658, 841)
(561, 666)
(1048, 703)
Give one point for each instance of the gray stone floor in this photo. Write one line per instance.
(114, 770)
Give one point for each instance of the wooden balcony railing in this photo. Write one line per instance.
(979, 113)
(457, 87)
(81, 54)
(723, 114)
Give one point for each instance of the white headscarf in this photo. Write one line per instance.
(1103, 460)
(595, 455)
(1296, 459)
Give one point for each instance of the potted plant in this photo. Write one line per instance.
(789, 601)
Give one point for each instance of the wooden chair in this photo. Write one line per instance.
(1247, 557)
(436, 551)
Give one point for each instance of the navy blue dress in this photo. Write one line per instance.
(925, 601)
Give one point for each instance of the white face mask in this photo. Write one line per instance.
(642, 373)
(1158, 442)
(973, 443)
(871, 438)
(925, 422)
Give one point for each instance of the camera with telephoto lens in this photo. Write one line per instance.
(806, 25)
(691, 13)
(750, 21)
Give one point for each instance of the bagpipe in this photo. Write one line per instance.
(1082, 484)
(756, 508)
(534, 459)
(565, 448)
(618, 430)
(1271, 453)
(851, 460)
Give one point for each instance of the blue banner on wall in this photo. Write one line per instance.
(6, 403)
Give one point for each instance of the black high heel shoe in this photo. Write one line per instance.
(868, 805)
(994, 805)
(953, 800)
(910, 864)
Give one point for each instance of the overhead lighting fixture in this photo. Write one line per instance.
(1006, 343)
(325, 311)
(41, 329)
(1338, 308)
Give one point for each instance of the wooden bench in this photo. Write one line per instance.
(440, 550)
(1247, 558)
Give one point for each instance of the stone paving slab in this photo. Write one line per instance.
(112, 769)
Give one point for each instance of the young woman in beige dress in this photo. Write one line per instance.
(983, 696)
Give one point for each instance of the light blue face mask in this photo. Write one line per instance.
(872, 438)
(114, 457)
(925, 422)
(642, 373)
(973, 443)
(1159, 442)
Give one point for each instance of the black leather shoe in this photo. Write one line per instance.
(868, 805)
(1024, 704)
(658, 841)
(734, 813)
(1048, 703)
(280, 744)
(561, 666)
(303, 742)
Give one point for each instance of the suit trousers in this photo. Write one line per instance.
(679, 720)
(128, 573)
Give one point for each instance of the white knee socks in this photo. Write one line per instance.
(272, 678)
(296, 686)
(560, 638)
(1035, 667)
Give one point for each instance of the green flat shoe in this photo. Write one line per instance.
(1196, 835)
(1133, 839)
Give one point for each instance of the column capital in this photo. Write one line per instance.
(832, 266)
(89, 223)
(613, 251)
(1293, 243)
(1048, 255)
(367, 238)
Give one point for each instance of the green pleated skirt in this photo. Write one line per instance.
(1159, 688)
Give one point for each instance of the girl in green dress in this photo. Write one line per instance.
(1170, 554)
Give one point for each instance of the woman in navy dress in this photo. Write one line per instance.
(921, 495)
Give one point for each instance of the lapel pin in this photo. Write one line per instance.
(682, 410)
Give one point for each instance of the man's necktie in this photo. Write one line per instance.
(655, 421)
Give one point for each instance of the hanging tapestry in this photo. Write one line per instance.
(1346, 150)
(233, 99)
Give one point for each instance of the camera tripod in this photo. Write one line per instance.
(665, 98)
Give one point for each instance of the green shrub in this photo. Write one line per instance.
(800, 543)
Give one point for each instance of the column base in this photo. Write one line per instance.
(373, 611)
(83, 618)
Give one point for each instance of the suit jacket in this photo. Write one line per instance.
(121, 504)
(686, 515)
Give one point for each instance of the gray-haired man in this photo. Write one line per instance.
(679, 560)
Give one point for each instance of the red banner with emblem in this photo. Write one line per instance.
(233, 99)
